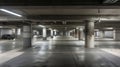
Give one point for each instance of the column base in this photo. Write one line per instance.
(44, 38)
(27, 43)
(89, 46)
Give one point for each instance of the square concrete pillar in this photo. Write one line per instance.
(89, 34)
(117, 34)
(44, 33)
(81, 34)
(27, 36)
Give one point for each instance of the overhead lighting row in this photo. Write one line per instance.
(10, 12)
(41, 26)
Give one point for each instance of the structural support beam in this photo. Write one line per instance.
(77, 33)
(74, 34)
(16, 31)
(55, 32)
(68, 33)
(114, 34)
(101, 34)
(51, 33)
(117, 34)
(110, 1)
(89, 34)
(80, 34)
(27, 36)
(44, 33)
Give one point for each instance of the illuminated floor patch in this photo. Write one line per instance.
(113, 51)
(9, 55)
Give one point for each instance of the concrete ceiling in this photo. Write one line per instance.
(37, 12)
(53, 13)
(74, 16)
(57, 2)
(71, 11)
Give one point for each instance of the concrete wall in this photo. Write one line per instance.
(108, 34)
(18, 33)
(5, 31)
(117, 34)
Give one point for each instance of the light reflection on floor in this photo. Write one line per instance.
(60, 53)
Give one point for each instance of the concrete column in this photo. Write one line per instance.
(16, 31)
(27, 36)
(114, 34)
(73, 33)
(55, 32)
(51, 32)
(76, 33)
(89, 34)
(101, 34)
(68, 33)
(117, 34)
(80, 34)
(44, 33)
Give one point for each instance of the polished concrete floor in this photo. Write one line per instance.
(59, 53)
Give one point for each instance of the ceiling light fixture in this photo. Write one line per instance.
(50, 28)
(54, 30)
(41, 25)
(109, 28)
(10, 12)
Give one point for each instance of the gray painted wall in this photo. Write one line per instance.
(108, 34)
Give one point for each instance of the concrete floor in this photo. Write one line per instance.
(61, 52)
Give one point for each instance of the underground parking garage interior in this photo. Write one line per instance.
(60, 33)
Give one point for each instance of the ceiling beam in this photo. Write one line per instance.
(63, 7)
(73, 17)
(110, 1)
(49, 2)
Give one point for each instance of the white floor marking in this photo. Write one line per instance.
(4, 57)
(115, 52)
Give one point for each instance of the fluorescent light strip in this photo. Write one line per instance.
(41, 25)
(7, 11)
